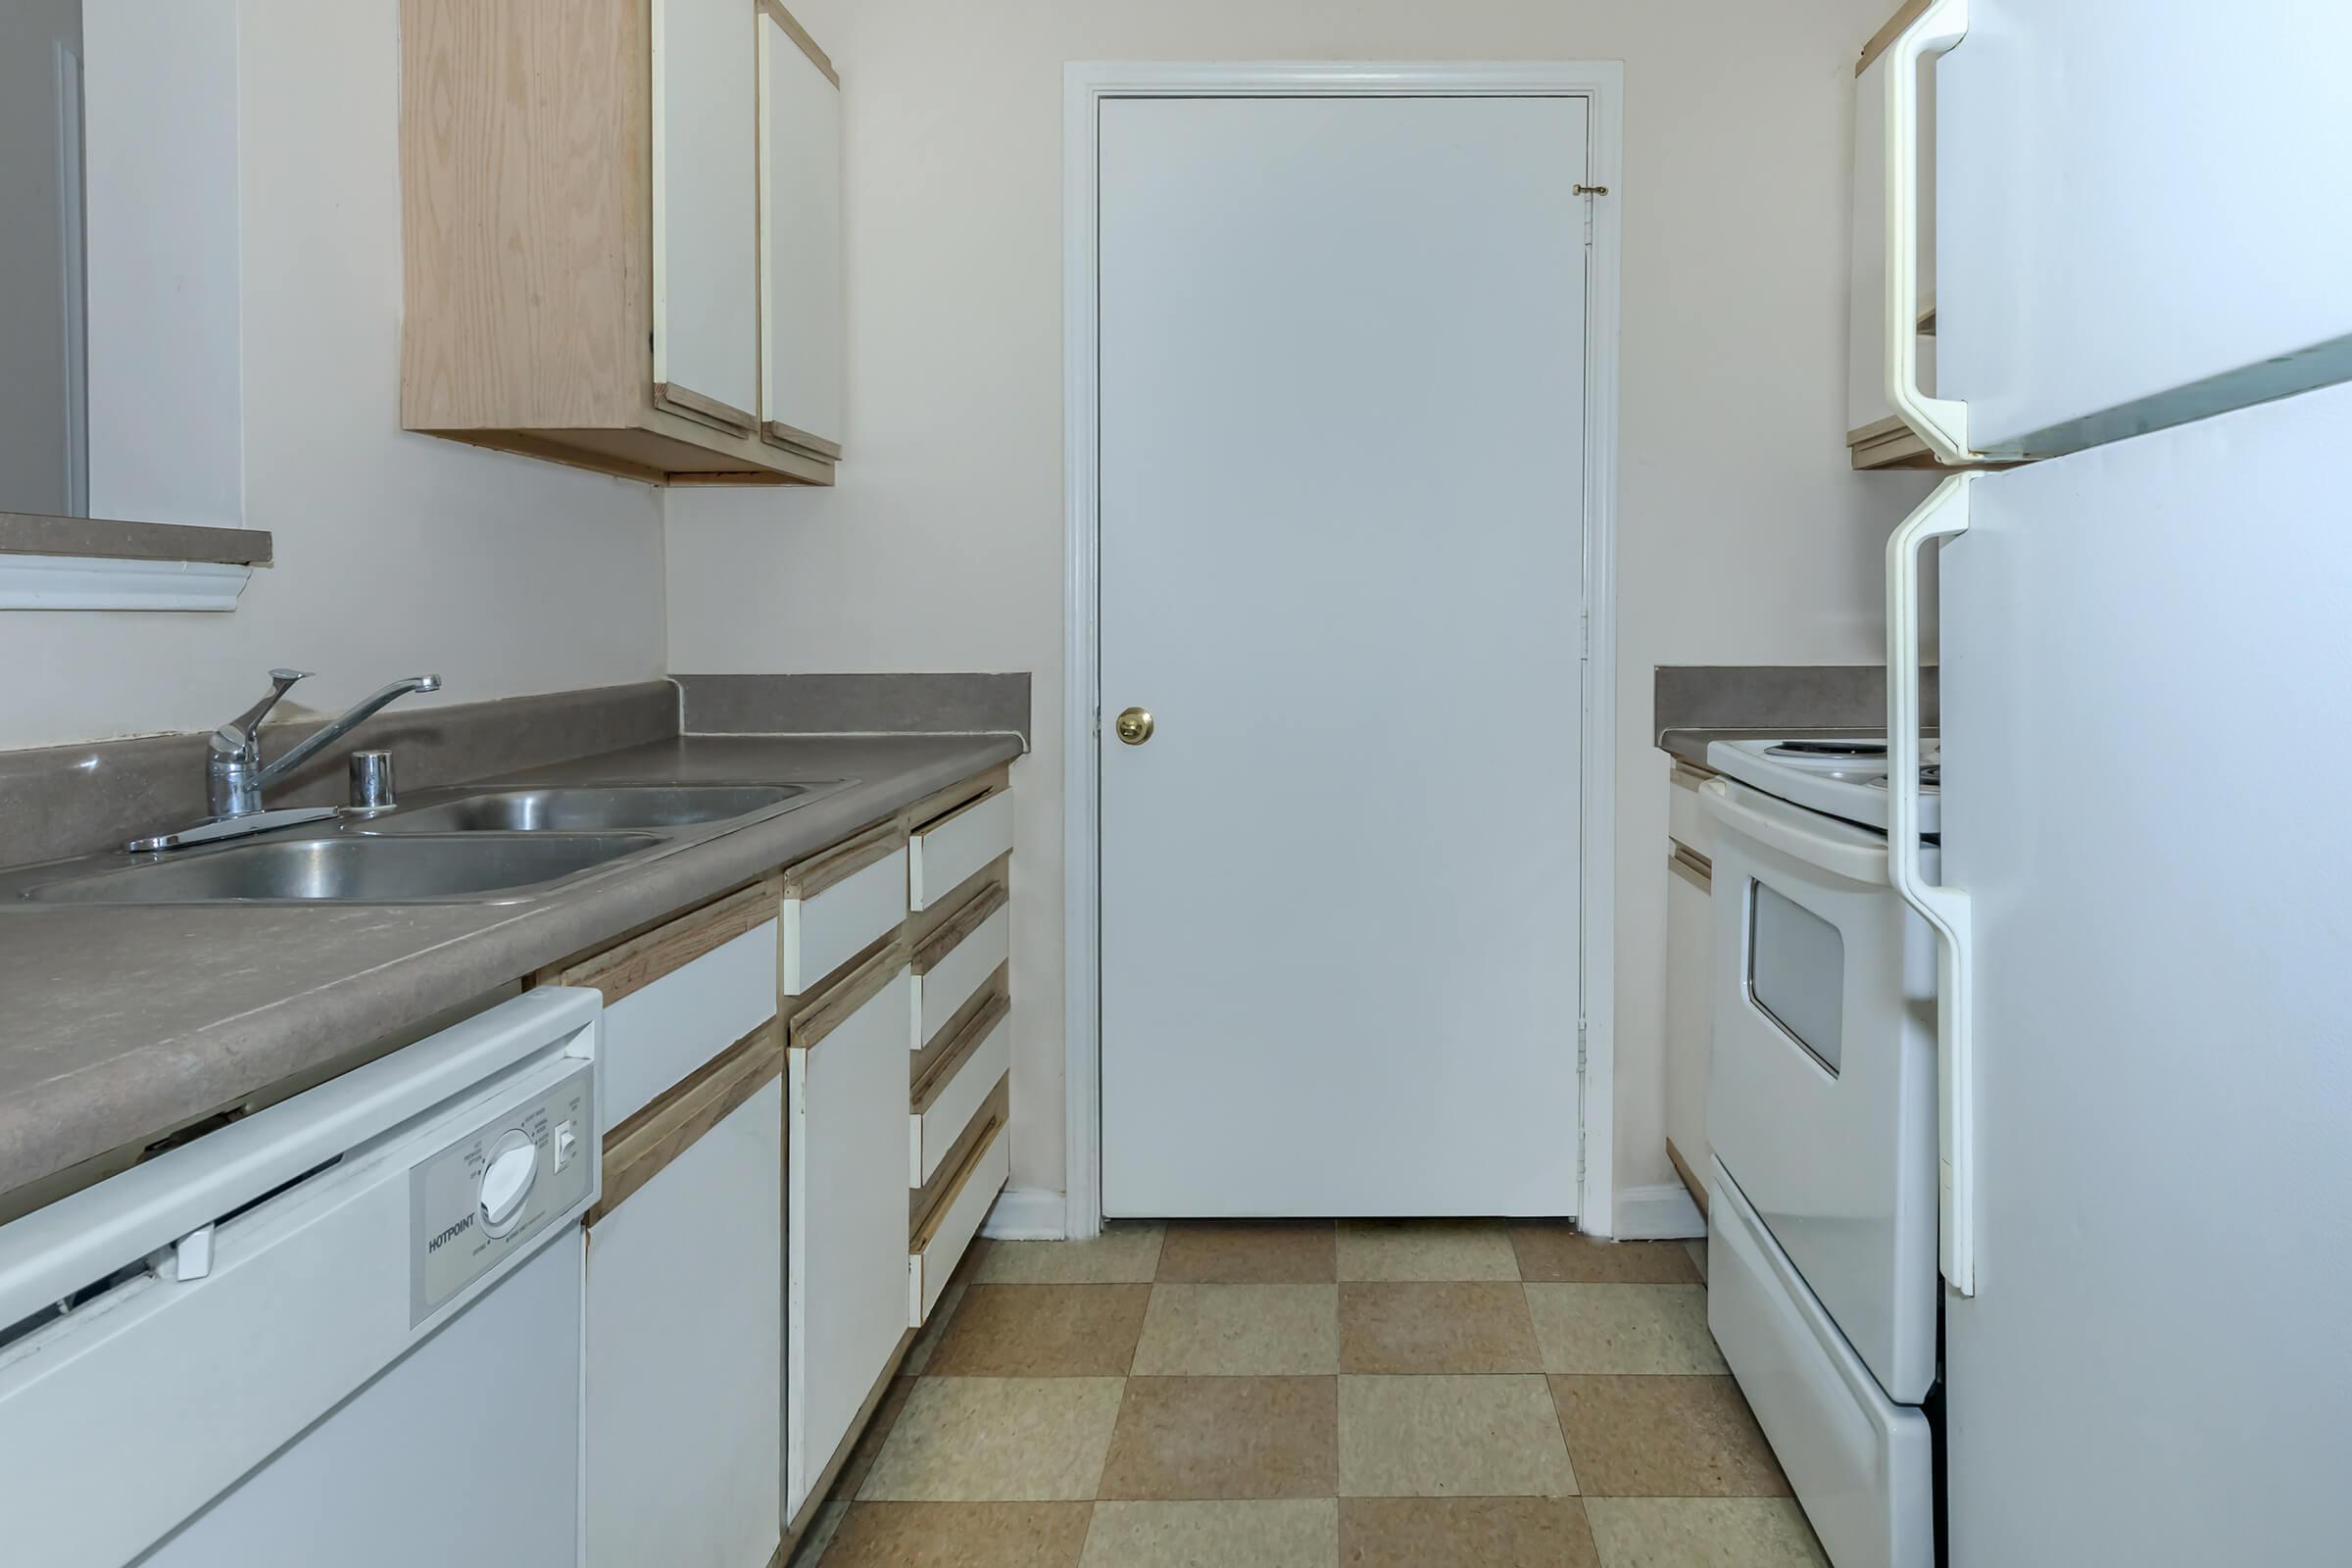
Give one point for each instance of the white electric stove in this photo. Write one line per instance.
(1844, 778)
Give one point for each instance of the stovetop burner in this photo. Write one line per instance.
(1833, 749)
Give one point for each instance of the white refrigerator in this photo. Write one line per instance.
(2144, 266)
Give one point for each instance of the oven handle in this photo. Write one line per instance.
(1942, 422)
(1944, 515)
(1729, 805)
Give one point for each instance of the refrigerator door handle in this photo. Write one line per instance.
(1942, 422)
(1944, 514)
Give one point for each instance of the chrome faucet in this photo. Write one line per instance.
(235, 776)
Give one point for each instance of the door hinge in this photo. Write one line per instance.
(1583, 1039)
(1590, 194)
(1584, 638)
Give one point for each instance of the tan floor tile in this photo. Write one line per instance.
(1281, 1253)
(1240, 1331)
(1398, 1327)
(1451, 1437)
(1300, 1534)
(1697, 1248)
(1425, 1250)
(1224, 1437)
(1653, 1437)
(918, 1354)
(997, 1440)
(860, 1462)
(960, 1535)
(1043, 1331)
(1127, 1253)
(1702, 1533)
(1558, 1253)
(1624, 1327)
(1464, 1533)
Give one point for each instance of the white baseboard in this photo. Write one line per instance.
(1664, 1212)
(1025, 1214)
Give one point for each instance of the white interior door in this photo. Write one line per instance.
(1342, 382)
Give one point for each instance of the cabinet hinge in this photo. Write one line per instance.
(1584, 635)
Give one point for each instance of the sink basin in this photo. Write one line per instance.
(590, 809)
(353, 870)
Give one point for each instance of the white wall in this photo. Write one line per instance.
(396, 552)
(1745, 537)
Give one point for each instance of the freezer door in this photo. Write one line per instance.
(2143, 214)
(2145, 707)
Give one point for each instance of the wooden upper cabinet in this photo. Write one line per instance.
(800, 239)
(588, 225)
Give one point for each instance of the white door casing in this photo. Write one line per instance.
(1389, 754)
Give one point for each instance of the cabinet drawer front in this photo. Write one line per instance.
(934, 1255)
(684, 1331)
(827, 928)
(952, 850)
(957, 960)
(846, 1199)
(946, 1107)
(662, 1032)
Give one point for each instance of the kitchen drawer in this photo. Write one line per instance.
(1858, 1462)
(679, 994)
(845, 1067)
(958, 958)
(840, 904)
(946, 853)
(945, 1106)
(937, 1248)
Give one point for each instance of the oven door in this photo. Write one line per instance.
(1821, 1096)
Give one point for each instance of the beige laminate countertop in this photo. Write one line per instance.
(120, 1023)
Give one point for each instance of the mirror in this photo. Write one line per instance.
(44, 335)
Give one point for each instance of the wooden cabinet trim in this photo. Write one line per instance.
(809, 877)
(972, 805)
(1689, 775)
(1682, 1168)
(1883, 39)
(709, 410)
(800, 35)
(924, 1202)
(937, 807)
(640, 1148)
(929, 1230)
(824, 1011)
(1691, 864)
(631, 965)
(968, 917)
(775, 432)
(937, 1074)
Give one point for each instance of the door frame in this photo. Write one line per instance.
(1086, 84)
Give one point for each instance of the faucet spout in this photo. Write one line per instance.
(335, 729)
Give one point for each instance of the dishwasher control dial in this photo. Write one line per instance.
(507, 1180)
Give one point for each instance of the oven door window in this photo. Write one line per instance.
(1796, 973)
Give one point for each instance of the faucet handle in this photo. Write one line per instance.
(237, 735)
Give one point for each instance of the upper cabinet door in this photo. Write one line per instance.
(800, 239)
(705, 228)
(2145, 213)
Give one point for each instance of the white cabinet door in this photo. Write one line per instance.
(705, 227)
(800, 241)
(1689, 1012)
(2145, 211)
(684, 1346)
(847, 1274)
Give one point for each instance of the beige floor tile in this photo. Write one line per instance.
(1441, 1437)
(1464, 1533)
(818, 1536)
(997, 1440)
(1558, 1253)
(1624, 1327)
(1043, 1331)
(1653, 1437)
(1302, 1533)
(960, 1535)
(1216, 1253)
(1240, 1331)
(1425, 1250)
(1184, 1439)
(1415, 1327)
(860, 1462)
(918, 1354)
(1702, 1533)
(1127, 1253)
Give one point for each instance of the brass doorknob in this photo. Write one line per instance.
(1134, 726)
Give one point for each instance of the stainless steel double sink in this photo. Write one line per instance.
(488, 846)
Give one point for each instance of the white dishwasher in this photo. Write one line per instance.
(345, 1329)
